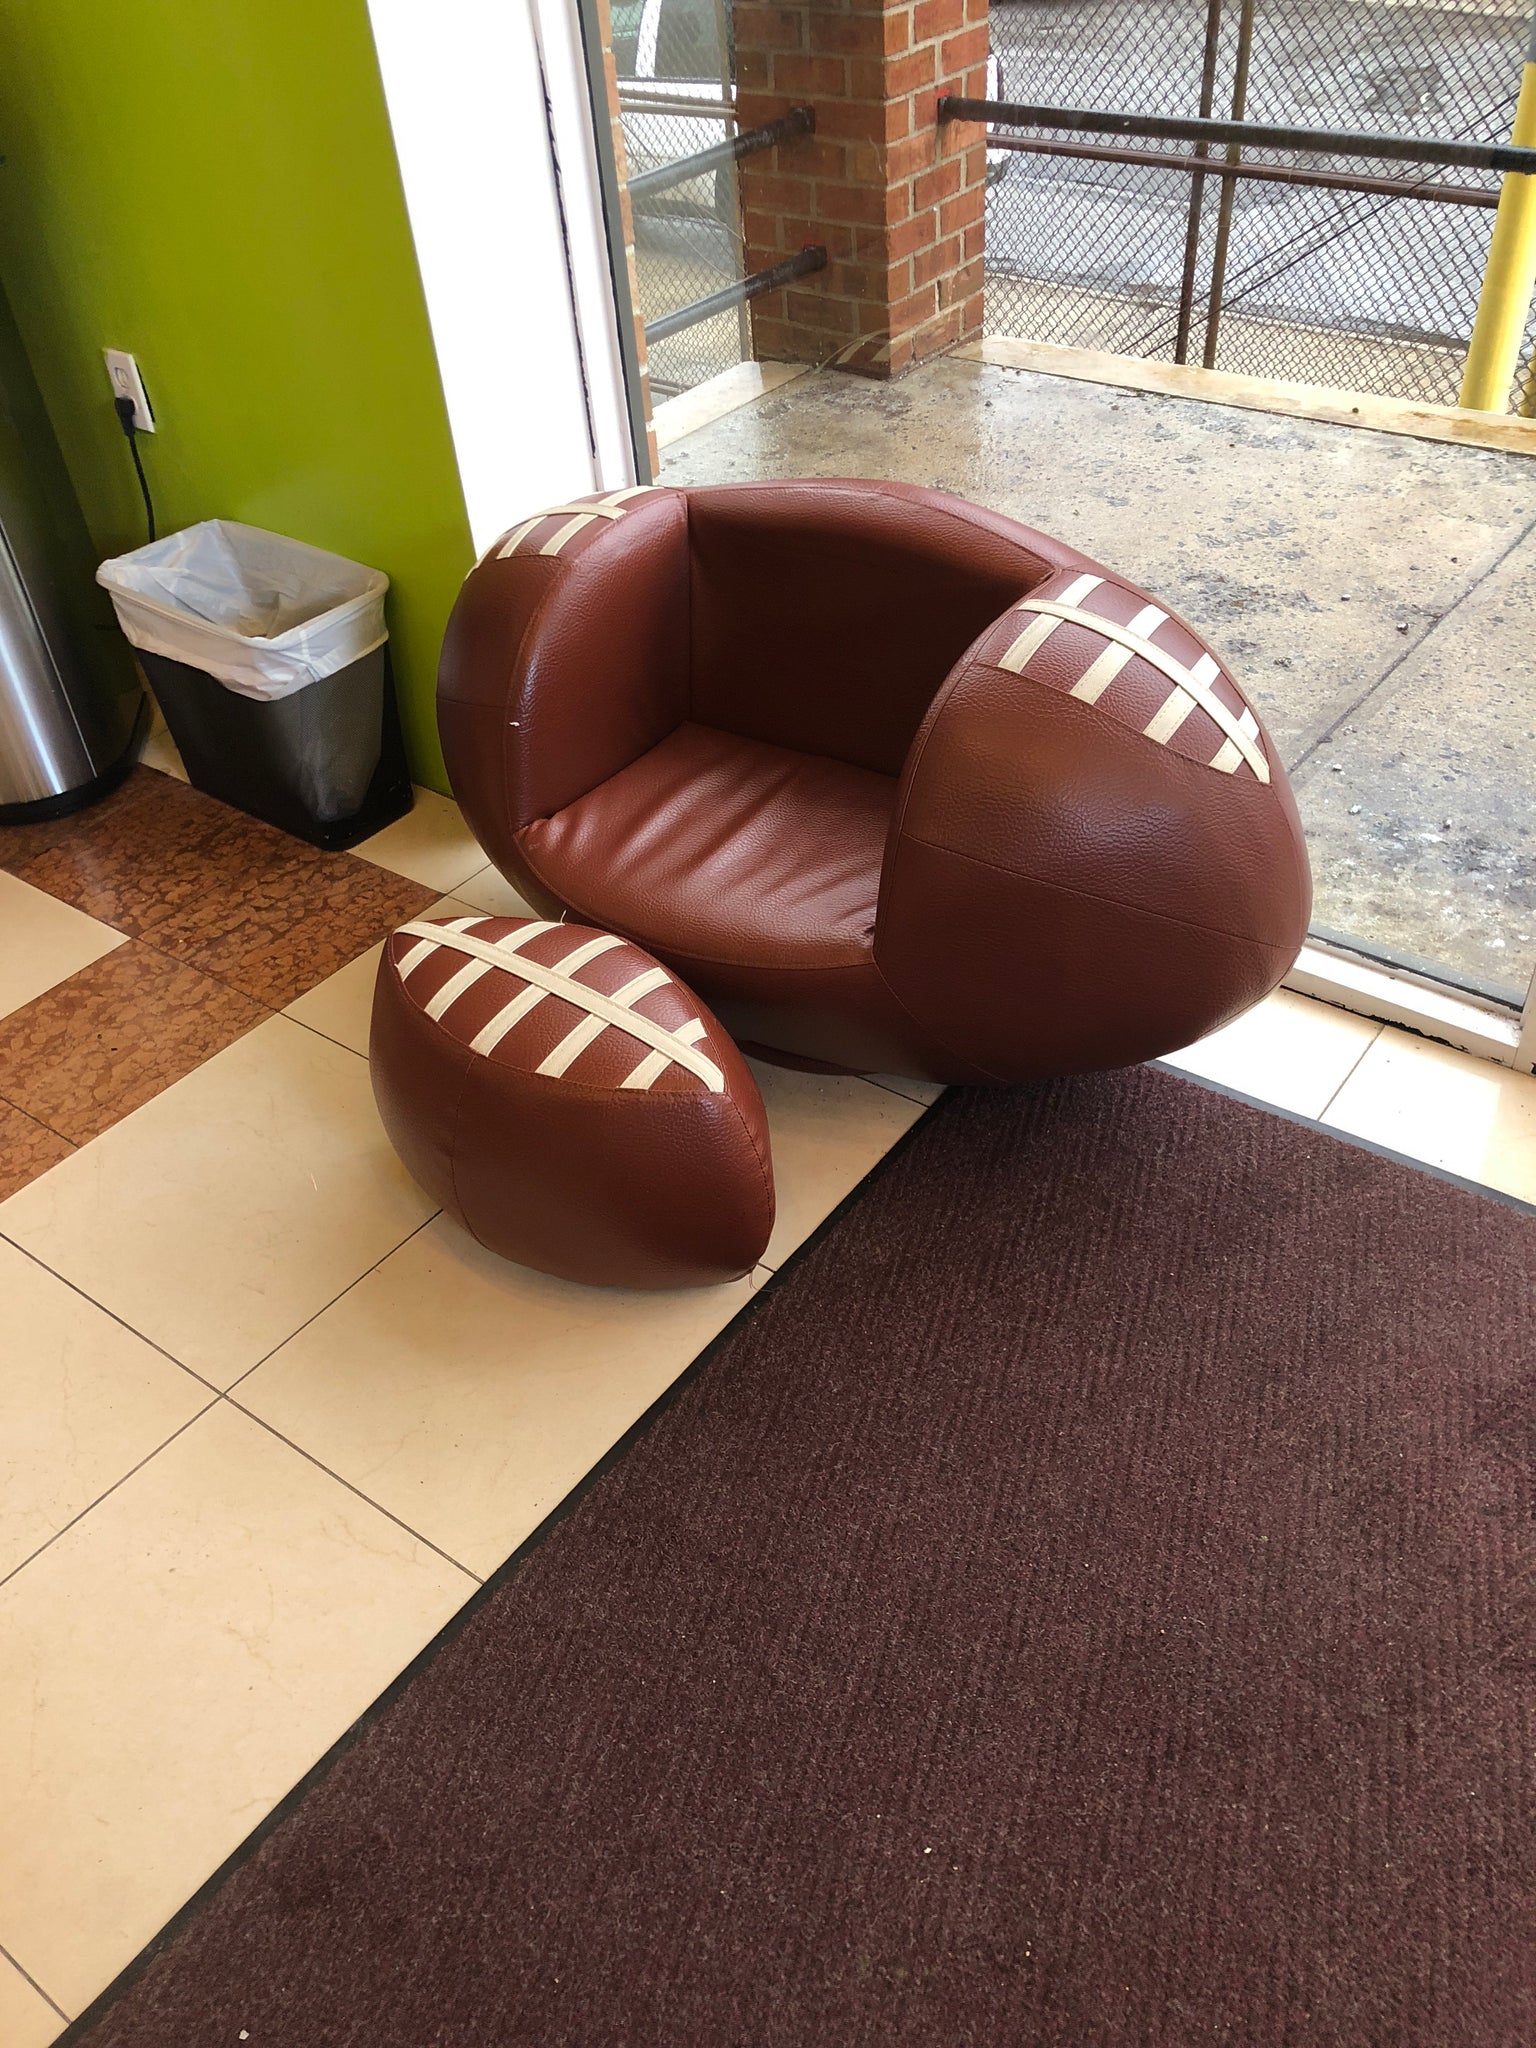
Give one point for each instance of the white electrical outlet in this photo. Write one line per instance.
(127, 383)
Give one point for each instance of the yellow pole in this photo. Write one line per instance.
(1510, 278)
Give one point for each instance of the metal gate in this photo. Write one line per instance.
(1299, 263)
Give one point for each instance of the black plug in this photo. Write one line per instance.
(123, 406)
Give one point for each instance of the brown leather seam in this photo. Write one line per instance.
(535, 619)
(649, 944)
(932, 1036)
(458, 1105)
(923, 500)
(978, 526)
(847, 967)
(514, 676)
(917, 750)
(763, 1165)
(1189, 924)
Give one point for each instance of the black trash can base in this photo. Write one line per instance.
(326, 763)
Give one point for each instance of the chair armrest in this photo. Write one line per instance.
(1070, 883)
(565, 659)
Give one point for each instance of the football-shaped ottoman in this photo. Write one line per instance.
(570, 1102)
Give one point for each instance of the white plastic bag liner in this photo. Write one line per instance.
(262, 613)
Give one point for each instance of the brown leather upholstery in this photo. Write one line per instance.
(606, 1169)
(777, 734)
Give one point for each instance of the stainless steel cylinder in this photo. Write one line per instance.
(70, 698)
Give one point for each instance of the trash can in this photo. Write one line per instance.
(270, 661)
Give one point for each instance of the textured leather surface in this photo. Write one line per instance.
(1060, 888)
(825, 614)
(557, 671)
(705, 813)
(574, 1174)
(1150, 897)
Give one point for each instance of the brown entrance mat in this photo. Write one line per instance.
(1084, 1602)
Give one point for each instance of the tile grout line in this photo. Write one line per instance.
(110, 1313)
(30, 1979)
(91, 1506)
(340, 1294)
(220, 1394)
(366, 1498)
(1354, 1067)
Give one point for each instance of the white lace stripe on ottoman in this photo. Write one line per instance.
(492, 1032)
(655, 1063)
(417, 954)
(675, 1047)
(468, 975)
(581, 1035)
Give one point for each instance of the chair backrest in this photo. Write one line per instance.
(821, 616)
(825, 614)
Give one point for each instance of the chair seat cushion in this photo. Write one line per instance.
(725, 849)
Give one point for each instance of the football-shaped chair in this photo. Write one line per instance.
(896, 784)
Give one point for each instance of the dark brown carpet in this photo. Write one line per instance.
(1087, 1602)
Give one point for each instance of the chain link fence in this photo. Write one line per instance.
(688, 243)
(1363, 290)
(675, 61)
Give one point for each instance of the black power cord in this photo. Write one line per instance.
(123, 407)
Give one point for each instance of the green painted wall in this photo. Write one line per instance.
(212, 184)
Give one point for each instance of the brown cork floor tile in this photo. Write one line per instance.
(27, 1148)
(225, 893)
(289, 931)
(79, 1058)
(21, 843)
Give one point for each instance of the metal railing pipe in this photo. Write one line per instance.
(1228, 189)
(812, 257)
(1411, 149)
(1202, 167)
(1197, 185)
(787, 128)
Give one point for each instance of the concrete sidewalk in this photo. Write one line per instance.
(1375, 595)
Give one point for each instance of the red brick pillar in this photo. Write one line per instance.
(898, 200)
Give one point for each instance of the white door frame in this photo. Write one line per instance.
(493, 129)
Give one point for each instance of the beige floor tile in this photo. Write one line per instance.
(172, 1665)
(27, 2020)
(43, 942)
(490, 891)
(160, 752)
(1450, 1110)
(431, 843)
(228, 1211)
(1288, 1050)
(827, 1131)
(340, 1006)
(467, 1395)
(82, 1401)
